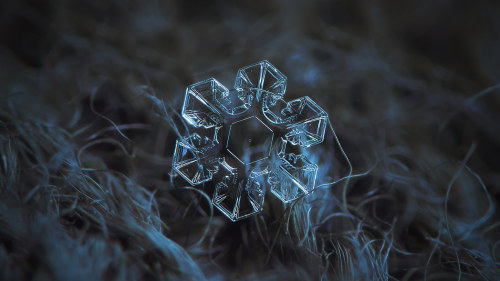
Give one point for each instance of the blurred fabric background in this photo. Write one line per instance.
(90, 94)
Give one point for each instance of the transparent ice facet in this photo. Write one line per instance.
(249, 140)
(208, 88)
(262, 77)
(300, 170)
(295, 176)
(309, 122)
(235, 102)
(192, 159)
(283, 187)
(276, 110)
(197, 110)
(236, 196)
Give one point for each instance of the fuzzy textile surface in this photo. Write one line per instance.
(89, 115)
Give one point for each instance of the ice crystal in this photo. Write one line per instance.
(248, 139)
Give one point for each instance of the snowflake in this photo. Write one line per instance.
(249, 139)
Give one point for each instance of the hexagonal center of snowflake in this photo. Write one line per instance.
(249, 140)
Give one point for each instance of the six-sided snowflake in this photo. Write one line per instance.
(248, 139)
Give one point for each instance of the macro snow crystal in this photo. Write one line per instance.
(249, 139)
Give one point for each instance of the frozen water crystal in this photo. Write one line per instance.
(235, 196)
(248, 139)
(197, 111)
(261, 78)
(192, 159)
(253, 140)
(308, 124)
